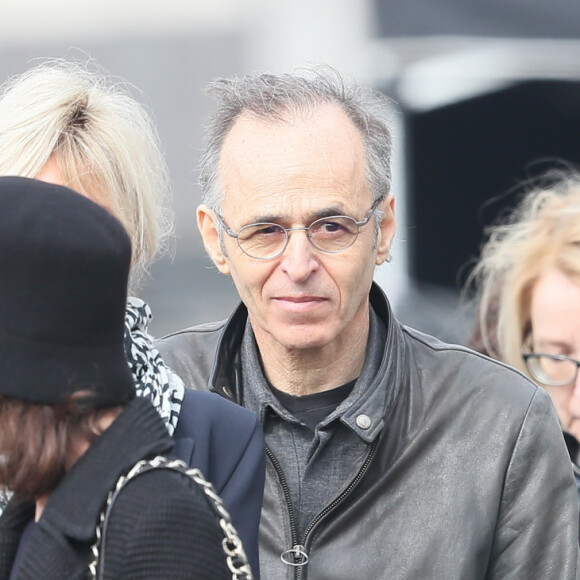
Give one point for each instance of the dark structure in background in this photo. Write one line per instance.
(492, 18)
(464, 161)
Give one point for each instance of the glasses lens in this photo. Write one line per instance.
(333, 234)
(551, 370)
(262, 240)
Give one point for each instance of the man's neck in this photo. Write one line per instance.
(308, 371)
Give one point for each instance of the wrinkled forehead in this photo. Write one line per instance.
(327, 120)
(310, 156)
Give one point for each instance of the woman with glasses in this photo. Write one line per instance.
(528, 281)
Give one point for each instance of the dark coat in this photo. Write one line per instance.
(161, 526)
(467, 475)
(226, 443)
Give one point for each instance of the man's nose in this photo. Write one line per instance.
(299, 259)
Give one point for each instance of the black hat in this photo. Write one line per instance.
(64, 266)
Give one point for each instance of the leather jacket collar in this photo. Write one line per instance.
(225, 377)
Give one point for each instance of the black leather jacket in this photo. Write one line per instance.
(469, 477)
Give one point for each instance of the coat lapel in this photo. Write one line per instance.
(50, 555)
(14, 519)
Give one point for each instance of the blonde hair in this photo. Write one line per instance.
(102, 140)
(542, 233)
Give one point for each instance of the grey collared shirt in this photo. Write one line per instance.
(317, 467)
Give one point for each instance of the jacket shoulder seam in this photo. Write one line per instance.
(443, 346)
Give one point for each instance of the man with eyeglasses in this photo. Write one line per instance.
(390, 454)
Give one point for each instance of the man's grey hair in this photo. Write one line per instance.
(275, 97)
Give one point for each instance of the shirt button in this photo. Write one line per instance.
(364, 421)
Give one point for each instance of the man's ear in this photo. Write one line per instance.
(208, 228)
(386, 230)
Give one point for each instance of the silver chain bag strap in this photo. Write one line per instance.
(232, 545)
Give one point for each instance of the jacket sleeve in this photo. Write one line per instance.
(537, 527)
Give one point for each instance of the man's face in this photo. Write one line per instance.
(291, 174)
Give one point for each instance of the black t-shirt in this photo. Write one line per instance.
(312, 409)
(573, 447)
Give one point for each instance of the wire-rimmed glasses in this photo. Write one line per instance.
(266, 241)
(553, 370)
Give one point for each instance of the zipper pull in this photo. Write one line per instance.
(296, 556)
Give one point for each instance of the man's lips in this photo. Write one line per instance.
(299, 303)
(301, 298)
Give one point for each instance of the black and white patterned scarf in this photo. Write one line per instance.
(153, 378)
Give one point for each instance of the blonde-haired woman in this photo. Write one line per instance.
(69, 123)
(528, 282)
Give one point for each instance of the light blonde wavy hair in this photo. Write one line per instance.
(102, 139)
(542, 233)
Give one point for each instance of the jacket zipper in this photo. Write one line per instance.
(298, 548)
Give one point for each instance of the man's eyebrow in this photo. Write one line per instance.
(328, 212)
(261, 219)
(278, 219)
